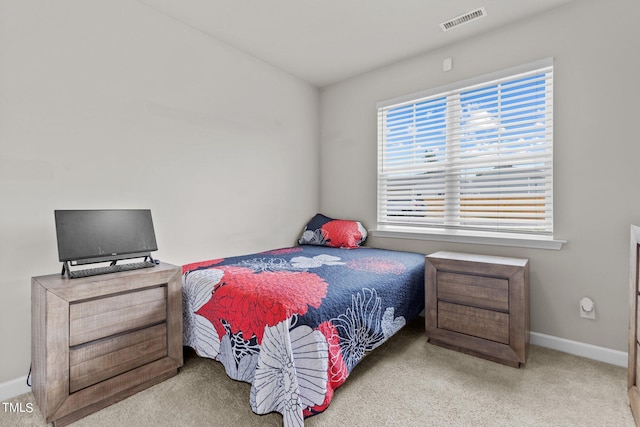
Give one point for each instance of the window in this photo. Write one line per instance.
(473, 156)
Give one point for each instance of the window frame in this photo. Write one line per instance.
(544, 239)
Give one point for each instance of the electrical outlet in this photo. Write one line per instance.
(587, 308)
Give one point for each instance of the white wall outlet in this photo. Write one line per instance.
(587, 308)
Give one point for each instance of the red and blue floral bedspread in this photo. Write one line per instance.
(294, 322)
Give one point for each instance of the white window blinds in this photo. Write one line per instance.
(478, 156)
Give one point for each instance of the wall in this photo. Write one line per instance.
(112, 105)
(595, 45)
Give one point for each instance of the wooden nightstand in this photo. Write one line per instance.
(97, 340)
(478, 305)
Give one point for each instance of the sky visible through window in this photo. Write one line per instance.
(423, 126)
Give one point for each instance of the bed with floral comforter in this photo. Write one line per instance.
(294, 322)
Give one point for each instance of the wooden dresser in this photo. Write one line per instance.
(633, 366)
(97, 340)
(478, 305)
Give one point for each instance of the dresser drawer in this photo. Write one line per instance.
(637, 315)
(477, 291)
(102, 317)
(478, 322)
(91, 363)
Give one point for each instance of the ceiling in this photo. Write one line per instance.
(326, 41)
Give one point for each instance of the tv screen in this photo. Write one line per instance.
(87, 236)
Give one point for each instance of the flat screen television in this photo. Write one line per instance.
(91, 236)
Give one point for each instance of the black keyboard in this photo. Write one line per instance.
(110, 269)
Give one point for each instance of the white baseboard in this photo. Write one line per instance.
(13, 388)
(602, 354)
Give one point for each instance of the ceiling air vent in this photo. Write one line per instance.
(463, 19)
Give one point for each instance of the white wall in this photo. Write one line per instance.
(220, 146)
(595, 44)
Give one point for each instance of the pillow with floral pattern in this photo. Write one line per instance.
(335, 233)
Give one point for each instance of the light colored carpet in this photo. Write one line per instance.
(405, 382)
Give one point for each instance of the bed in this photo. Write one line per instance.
(294, 322)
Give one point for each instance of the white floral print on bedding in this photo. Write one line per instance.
(291, 372)
(197, 331)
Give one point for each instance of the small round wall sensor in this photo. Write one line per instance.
(586, 304)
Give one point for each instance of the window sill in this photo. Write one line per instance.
(474, 237)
